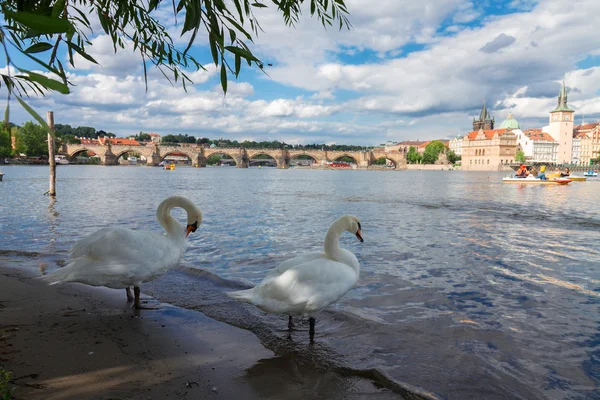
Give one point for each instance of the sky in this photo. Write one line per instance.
(407, 70)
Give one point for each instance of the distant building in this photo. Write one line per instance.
(561, 127)
(456, 145)
(118, 141)
(155, 137)
(403, 147)
(485, 121)
(589, 136)
(510, 123)
(537, 145)
(488, 150)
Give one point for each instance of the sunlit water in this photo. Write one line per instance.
(469, 289)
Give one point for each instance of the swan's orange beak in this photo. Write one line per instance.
(359, 236)
(189, 229)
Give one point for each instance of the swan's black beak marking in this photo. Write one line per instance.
(358, 235)
(191, 228)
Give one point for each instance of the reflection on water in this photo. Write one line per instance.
(469, 289)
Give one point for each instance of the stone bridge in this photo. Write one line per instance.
(109, 154)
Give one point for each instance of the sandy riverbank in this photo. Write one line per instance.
(78, 342)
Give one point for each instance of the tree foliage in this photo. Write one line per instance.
(520, 156)
(32, 139)
(413, 156)
(452, 156)
(432, 151)
(80, 131)
(42, 30)
(5, 145)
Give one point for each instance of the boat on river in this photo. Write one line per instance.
(590, 174)
(574, 178)
(61, 159)
(536, 181)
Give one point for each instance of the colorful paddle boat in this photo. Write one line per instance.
(536, 181)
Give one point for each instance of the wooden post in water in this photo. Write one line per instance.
(51, 152)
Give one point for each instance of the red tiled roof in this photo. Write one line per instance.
(89, 141)
(586, 127)
(154, 134)
(121, 141)
(489, 133)
(537, 134)
(411, 143)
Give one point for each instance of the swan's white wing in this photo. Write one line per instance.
(305, 288)
(292, 262)
(118, 257)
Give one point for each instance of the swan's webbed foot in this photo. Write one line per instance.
(137, 304)
(311, 330)
(129, 295)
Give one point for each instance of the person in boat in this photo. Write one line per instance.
(533, 172)
(542, 174)
(522, 172)
(566, 173)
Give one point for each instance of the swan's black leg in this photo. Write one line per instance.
(311, 331)
(290, 323)
(136, 304)
(129, 296)
(136, 291)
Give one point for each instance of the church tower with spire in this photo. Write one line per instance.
(561, 127)
(485, 121)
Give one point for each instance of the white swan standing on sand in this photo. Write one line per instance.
(306, 284)
(119, 258)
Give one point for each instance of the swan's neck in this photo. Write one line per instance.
(332, 241)
(333, 249)
(168, 223)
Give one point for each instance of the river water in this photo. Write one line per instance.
(469, 289)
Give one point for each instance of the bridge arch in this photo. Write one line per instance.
(72, 153)
(382, 161)
(257, 158)
(216, 157)
(341, 157)
(279, 157)
(299, 158)
(179, 153)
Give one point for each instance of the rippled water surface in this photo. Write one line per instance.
(469, 289)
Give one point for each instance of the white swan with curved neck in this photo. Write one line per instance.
(306, 284)
(119, 258)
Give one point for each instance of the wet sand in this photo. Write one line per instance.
(78, 342)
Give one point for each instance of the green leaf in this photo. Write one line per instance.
(40, 23)
(213, 50)
(232, 35)
(239, 27)
(259, 5)
(38, 47)
(153, 4)
(58, 8)
(223, 76)
(49, 83)
(36, 116)
(82, 53)
(238, 65)
(6, 114)
(241, 52)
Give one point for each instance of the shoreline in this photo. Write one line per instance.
(78, 342)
